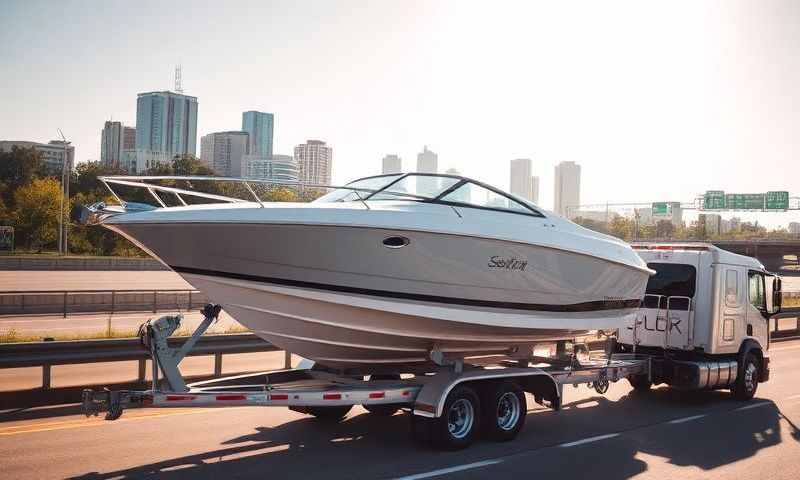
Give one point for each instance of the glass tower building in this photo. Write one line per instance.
(260, 127)
(166, 125)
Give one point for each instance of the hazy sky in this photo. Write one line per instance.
(656, 101)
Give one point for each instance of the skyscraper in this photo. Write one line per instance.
(166, 125)
(520, 178)
(279, 168)
(567, 188)
(535, 189)
(223, 152)
(392, 164)
(260, 127)
(427, 162)
(115, 140)
(314, 162)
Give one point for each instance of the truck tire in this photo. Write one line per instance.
(640, 383)
(747, 380)
(504, 411)
(457, 428)
(328, 414)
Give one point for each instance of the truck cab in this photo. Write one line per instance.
(704, 319)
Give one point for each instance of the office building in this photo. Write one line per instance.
(260, 126)
(794, 228)
(278, 168)
(520, 178)
(392, 164)
(427, 162)
(223, 152)
(314, 162)
(567, 188)
(452, 171)
(710, 224)
(535, 189)
(166, 126)
(116, 138)
(52, 153)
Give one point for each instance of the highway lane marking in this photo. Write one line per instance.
(445, 471)
(81, 423)
(589, 440)
(753, 405)
(780, 349)
(687, 419)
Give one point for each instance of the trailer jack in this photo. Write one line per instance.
(154, 335)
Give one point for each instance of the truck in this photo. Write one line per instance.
(704, 319)
(703, 324)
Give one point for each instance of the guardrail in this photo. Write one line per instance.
(82, 301)
(778, 333)
(47, 354)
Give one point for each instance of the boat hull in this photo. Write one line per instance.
(338, 295)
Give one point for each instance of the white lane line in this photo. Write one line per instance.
(445, 471)
(687, 419)
(754, 405)
(589, 440)
(792, 397)
(779, 349)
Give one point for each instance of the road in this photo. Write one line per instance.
(661, 434)
(33, 280)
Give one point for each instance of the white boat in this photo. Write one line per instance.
(392, 269)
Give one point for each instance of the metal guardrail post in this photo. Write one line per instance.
(113, 300)
(142, 370)
(155, 300)
(65, 304)
(46, 377)
(218, 364)
(190, 301)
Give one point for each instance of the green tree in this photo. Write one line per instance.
(17, 168)
(36, 208)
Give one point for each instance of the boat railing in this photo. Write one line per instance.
(146, 183)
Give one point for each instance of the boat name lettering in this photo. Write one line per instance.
(508, 263)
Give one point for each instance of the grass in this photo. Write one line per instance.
(13, 336)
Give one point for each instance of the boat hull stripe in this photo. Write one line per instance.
(574, 307)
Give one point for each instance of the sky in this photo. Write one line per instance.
(657, 101)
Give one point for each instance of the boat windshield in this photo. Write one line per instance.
(446, 189)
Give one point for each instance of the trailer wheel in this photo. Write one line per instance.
(747, 381)
(457, 428)
(329, 414)
(640, 383)
(504, 411)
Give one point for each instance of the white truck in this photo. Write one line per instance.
(704, 321)
(703, 325)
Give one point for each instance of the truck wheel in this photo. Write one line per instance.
(329, 414)
(504, 411)
(747, 381)
(456, 428)
(640, 383)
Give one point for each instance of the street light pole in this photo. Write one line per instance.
(63, 228)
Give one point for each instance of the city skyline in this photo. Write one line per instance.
(619, 119)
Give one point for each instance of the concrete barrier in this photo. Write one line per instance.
(46, 262)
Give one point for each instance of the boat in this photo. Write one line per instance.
(398, 269)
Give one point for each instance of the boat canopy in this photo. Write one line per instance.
(430, 187)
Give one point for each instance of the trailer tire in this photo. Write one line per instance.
(747, 380)
(458, 426)
(329, 414)
(640, 383)
(504, 411)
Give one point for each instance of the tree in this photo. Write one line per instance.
(665, 229)
(17, 168)
(35, 216)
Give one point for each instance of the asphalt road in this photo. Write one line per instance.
(661, 434)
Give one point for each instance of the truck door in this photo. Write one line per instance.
(756, 320)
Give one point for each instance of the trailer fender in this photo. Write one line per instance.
(432, 396)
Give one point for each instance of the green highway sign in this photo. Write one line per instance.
(660, 209)
(777, 201)
(744, 201)
(714, 200)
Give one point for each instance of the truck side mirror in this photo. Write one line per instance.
(773, 298)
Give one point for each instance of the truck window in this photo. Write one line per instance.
(731, 288)
(757, 290)
(670, 280)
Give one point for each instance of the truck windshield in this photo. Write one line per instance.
(670, 280)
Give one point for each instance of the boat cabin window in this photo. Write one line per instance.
(478, 196)
(416, 187)
(670, 280)
(368, 184)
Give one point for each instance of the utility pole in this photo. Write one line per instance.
(63, 228)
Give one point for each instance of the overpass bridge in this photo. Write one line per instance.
(780, 256)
